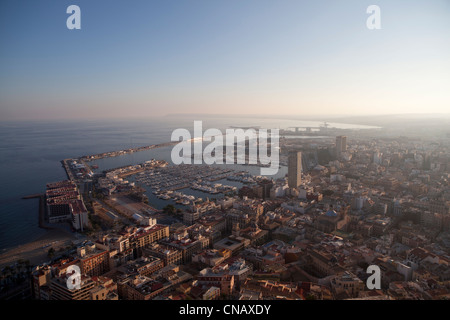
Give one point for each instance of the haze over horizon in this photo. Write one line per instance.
(154, 58)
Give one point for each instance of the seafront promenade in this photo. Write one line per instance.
(36, 251)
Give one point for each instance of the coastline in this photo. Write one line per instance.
(34, 251)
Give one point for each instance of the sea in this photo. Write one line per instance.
(31, 151)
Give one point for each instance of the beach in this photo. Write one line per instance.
(34, 251)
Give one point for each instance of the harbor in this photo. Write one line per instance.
(129, 183)
(172, 182)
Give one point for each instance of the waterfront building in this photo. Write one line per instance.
(79, 215)
(64, 203)
(59, 212)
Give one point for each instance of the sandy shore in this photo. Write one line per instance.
(34, 251)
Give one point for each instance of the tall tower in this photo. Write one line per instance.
(294, 169)
(341, 145)
(236, 230)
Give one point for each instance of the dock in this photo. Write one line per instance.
(33, 196)
(67, 168)
(126, 151)
(42, 223)
(41, 197)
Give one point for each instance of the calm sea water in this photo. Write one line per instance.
(30, 155)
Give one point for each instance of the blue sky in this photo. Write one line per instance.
(151, 58)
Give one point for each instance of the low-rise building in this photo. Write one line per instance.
(232, 243)
(187, 246)
(144, 236)
(346, 284)
(271, 290)
(169, 255)
(217, 278)
(211, 257)
(143, 266)
(94, 259)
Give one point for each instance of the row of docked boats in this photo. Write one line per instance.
(178, 197)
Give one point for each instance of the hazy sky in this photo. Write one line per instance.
(145, 58)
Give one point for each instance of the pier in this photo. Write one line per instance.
(33, 196)
(126, 151)
(42, 223)
(41, 198)
(68, 171)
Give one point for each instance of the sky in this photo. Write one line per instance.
(142, 59)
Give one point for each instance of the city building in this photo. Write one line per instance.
(271, 290)
(64, 203)
(143, 266)
(105, 289)
(294, 169)
(93, 259)
(218, 278)
(341, 145)
(135, 287)
(60, 291)
(187, 246)
(211, 257)
(168, 254)
(346, 285)
(144, 236)
(232, 243)
(332, 220)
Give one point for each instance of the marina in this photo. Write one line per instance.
(173, 182)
